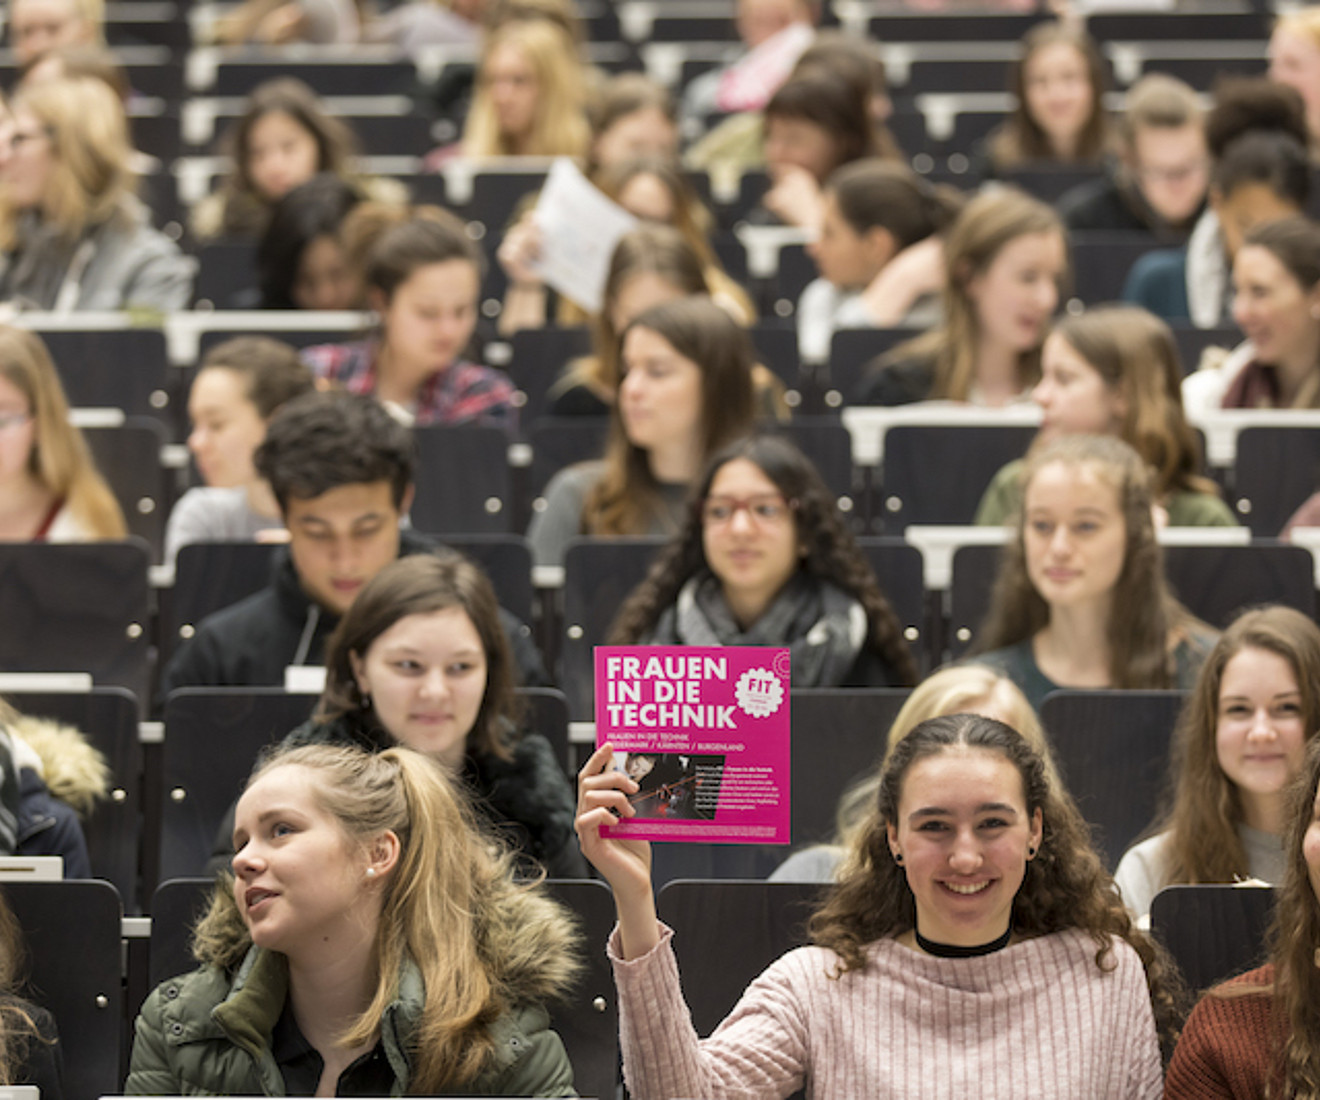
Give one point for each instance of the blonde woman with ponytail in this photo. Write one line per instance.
(371, 941)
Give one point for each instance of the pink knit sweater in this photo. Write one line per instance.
(1037, 1019)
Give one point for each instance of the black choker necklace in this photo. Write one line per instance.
(956, 951)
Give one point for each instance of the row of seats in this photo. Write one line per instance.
(91, 968)
(87, 608)
(173, 781)
(1273, 470)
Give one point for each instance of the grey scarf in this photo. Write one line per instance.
(823, 627)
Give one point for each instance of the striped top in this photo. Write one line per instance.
(1037, 1019)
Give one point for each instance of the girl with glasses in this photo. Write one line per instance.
(765, 559)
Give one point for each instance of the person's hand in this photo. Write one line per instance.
(914, 272)
(520, 251)
(795, 199)
(602, 800)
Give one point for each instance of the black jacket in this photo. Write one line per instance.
(252, 642)
(1105, 205)
(527, 800)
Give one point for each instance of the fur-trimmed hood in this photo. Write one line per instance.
(71, 767)
(530, 941)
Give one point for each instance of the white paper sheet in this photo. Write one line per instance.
(579, 228)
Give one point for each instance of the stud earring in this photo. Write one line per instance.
(371, 872)
(898, 858)
(1031, 853)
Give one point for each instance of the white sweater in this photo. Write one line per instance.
(1037, 1019)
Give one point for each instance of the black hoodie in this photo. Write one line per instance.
(252, 642)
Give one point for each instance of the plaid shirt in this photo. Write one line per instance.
(462, 393)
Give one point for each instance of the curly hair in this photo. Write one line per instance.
(1204, 806)
(1294, 937)
(1065, 886)
(1144, 615)
(831, 552)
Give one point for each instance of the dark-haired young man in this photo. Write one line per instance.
(341, 468)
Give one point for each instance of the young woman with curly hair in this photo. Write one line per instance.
(1115, 370)
(1081, 600)
(765, 559)
(973, 947)
(1256, 1035)
(1239, 743)
(370, 940)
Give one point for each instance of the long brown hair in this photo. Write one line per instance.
(1066, 884)
(831, 552)
(336, 147)
(1204, 808)
(987, 224)
(1144, 614)
(1294, 937)
(60, 461)
(1021, 139)
(1134, 352)
(418, 585)
(16, 1022)
(627, 495)
(450, 905)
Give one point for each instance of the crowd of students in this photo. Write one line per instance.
(378, 926)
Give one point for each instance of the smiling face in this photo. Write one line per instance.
(1017, 293)
(227, 428)
(660, 394)
(1072, 395)
(1171, 165)
(749, 535)
(282, 154)
(426, 676)
(341, 539)
(298, 877)
(1074, 536)
(428, 321)
(1260, 735)
(1059, 95)
(1275, 312)
(963, 832)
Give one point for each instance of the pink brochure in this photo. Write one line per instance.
(704, 731)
